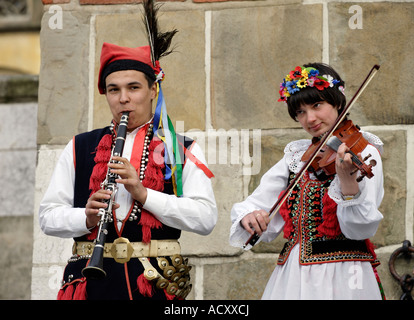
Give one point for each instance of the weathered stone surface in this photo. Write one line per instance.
(63, 97)
(386, 38)
(16, 261)
(392, 228)
(244, 279)
(184, 83)
(228, 189)
(18, 88)
(18, 151)
(252, 51)
(17, 129)
(18, 174)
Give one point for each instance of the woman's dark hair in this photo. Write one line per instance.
(310, 95)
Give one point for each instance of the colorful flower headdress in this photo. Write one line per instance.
(302, 77)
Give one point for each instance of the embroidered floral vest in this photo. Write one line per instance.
(311, 221)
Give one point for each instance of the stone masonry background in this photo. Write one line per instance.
(221, 87)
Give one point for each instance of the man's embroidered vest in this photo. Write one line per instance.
(85, 145)
(311, 222)
(123, 280)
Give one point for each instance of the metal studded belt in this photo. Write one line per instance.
(122, 250)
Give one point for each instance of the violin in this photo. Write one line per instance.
(321, 145)
(349, 134)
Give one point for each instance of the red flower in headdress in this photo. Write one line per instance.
(282, 99)
(321, 84)
(297, 73)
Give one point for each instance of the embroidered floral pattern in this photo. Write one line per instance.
(307, 215)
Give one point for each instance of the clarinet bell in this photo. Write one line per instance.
(94, 270)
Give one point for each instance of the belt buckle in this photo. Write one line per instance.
(122, 250)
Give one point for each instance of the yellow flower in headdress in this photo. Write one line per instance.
(302, 83)
(305, 73)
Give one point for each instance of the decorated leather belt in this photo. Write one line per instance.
(171, 272)
(122, 250)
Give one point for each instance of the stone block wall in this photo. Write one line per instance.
(18, 150)
(221, 88)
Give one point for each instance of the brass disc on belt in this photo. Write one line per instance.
(183, 269)
(172, 288)
(162, 283)
(169, 271)
(163, 263)
(176, 260)
(176, 276)
(181, 283)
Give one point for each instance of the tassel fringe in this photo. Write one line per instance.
(169, 296)
(80, 291)
(102, 157)
(330, 225)
(145, 286)
(68, 293)
(371, 248)
(154, 179)
(75, 290)
(284, 212)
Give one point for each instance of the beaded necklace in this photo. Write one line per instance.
(136, 210)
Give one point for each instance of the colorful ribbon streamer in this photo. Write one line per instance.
(164, 130)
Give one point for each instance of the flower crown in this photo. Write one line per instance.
(301, 77)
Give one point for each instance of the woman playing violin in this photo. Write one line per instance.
(328, 217)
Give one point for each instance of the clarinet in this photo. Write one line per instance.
(94, 270)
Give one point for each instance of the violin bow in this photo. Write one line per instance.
(282, 198)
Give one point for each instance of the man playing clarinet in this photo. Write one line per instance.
(163, 187)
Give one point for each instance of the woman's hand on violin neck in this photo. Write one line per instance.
(345, 170)
(256, 221)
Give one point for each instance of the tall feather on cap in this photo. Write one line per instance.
(159, 41)
(163, 128)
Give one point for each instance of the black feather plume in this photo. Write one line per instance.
(159, 42)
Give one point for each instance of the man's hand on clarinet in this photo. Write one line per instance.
(96, 202)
